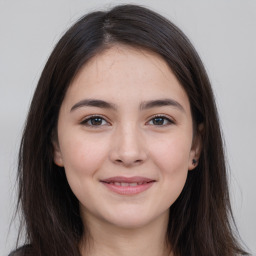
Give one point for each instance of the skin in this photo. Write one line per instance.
(126, 139)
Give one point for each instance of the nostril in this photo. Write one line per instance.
(128, 161)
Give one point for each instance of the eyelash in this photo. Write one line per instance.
(166, 120)
(91, 118)
(88, 121)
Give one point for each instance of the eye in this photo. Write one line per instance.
(94, 121)
(160, 121)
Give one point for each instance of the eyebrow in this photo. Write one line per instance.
(93, 103)
(143, 106)
(161, 103)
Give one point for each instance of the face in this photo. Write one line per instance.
(125, 137)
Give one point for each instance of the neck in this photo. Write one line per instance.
(106, 239)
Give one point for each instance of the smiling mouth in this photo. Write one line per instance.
(125, 184)
(128, 186)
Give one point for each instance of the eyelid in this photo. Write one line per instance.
(87, 118)
(167, 117)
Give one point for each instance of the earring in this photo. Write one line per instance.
(194, 161)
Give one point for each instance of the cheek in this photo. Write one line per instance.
(82, 156)
(172, 158)
(172, 155)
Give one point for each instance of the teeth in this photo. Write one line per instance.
(125, 184)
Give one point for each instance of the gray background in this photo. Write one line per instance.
(224, 33)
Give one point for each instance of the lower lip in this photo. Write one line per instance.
(128, 190)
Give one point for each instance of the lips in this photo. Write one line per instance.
(128, 186)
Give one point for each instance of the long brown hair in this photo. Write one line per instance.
(200, 221)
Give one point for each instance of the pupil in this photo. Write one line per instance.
(96, 121)
(158, 121)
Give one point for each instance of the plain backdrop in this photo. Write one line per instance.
(223, 32)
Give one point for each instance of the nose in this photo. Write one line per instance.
(128, 147)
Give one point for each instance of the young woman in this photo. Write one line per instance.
(122, 151)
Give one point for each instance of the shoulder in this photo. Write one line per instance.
(22, 251)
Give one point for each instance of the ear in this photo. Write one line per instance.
(57, 156)
(196, 148)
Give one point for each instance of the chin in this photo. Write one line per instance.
(135, 220)
(131, 223)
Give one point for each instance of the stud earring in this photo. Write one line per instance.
(194, 161)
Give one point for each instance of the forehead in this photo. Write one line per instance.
(125, 59)
(126, 72)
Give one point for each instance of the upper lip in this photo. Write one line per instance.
(120, 179)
